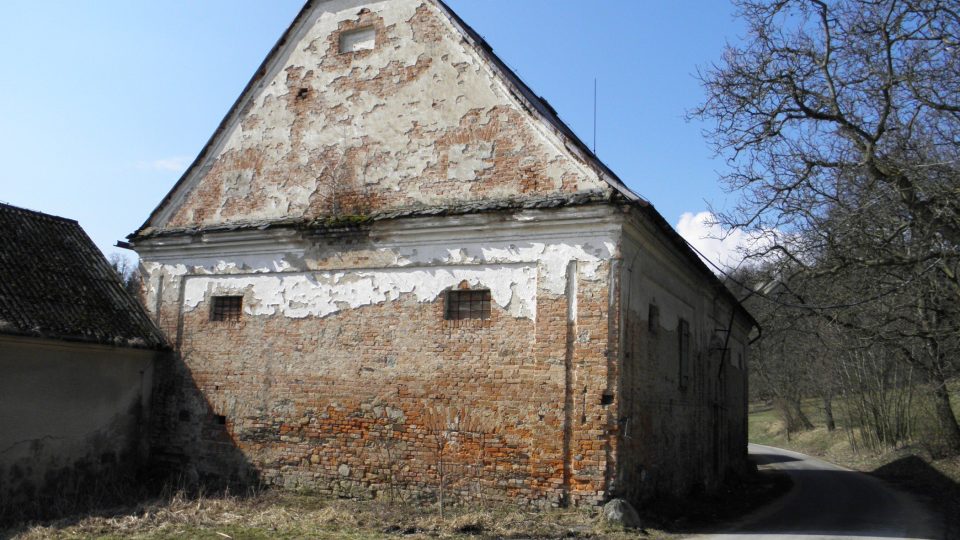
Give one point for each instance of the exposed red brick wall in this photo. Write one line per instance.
(347, 404)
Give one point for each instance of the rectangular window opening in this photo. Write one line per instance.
(653, 319)
(467, 304)
(361, 39)
(226, 308)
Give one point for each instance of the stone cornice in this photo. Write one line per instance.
(599, 221)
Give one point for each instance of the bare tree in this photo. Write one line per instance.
(793, 361)
(454, 432)
(442, 424)
(841, 122)
(128, 271)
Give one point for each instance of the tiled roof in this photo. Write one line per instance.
(55, 283)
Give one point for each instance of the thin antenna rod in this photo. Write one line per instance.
(594, 115)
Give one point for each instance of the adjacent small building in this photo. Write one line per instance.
(394, 267)
(77, 353)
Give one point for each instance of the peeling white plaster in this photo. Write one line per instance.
(467, 162)
(362, 39)
(551, 258)
(320, 294)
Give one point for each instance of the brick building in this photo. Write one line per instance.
(392, 251)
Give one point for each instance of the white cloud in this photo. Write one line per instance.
(723, 248)
(176, 164)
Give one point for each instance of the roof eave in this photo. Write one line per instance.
(123, 343)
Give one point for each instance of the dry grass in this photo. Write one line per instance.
(277, 514)
(285, 515)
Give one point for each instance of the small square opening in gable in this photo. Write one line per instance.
(361, 39)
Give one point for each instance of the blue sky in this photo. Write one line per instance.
(105, 103)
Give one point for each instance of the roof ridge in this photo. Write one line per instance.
(34, 213)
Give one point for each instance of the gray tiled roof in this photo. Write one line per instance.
(55, 283)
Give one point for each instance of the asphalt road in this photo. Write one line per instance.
(829, 501)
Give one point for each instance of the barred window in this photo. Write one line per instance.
(226, 308)
(467, 304)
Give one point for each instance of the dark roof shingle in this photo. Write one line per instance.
(55, 283)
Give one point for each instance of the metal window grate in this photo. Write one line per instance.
(226, 308)
(463, 305)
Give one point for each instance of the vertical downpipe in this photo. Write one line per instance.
(621, 279)
(181, 299)
(568, 403)
(159, 303)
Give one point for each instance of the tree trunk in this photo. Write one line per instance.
(793, 416)
(949, 429)
(802, 421)
(828, 413)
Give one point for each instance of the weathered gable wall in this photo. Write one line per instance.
(683, 427)
(334, 376)
(419, 120)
